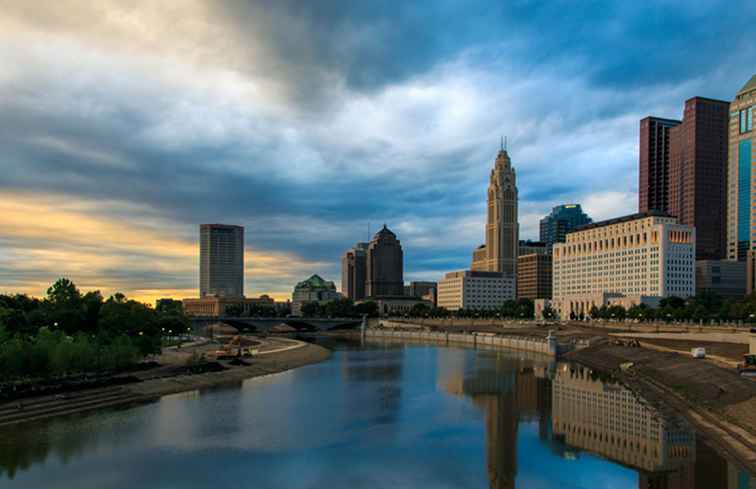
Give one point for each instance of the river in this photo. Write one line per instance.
(379, 416)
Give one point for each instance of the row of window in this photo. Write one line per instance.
(746, 120)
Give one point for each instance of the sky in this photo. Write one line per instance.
(126, 124)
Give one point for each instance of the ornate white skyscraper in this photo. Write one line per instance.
(499, 254)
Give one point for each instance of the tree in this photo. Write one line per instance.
(368, 307)
(64, 306)
(420, 310)
(595, 313)
(548, 312)
(169, 306)
(616, 312)
(122, 317)
(311, 309)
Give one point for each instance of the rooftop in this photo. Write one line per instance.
(619, 220)
(750, 85)
(316, 282)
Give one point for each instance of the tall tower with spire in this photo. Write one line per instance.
(499, 253)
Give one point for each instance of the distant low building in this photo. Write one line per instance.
(396, 305)
(726, 278)
(475, 290)
(419, 289)
(314, 289)
(210, 306)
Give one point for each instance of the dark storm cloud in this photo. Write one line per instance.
(373, 43)
(359, 112)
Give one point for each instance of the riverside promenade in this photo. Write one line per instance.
(277, 355)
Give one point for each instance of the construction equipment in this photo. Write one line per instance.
(748, 367)
(233, 349)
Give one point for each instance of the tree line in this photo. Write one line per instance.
(704, 307)
(70, 332)
(346, 308)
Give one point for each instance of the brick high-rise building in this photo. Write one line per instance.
(385, 265)
(534, 276)
(653, 184)
(221, 260)
(697, 173)
(354, 272)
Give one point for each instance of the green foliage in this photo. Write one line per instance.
(68, 333)
(420, 310)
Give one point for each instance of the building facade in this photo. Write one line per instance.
(741, 198)
(314, 289)
(499, 253)
(527, 247)
(354, 272)
(221, 260)
(475, 290)
(534, 276)
(397, 305)
(210, 306)
(420, 288)
(654, 154)
(562, 219)
(633, 259)
(725, 278)
(698, 172)
(385, 265)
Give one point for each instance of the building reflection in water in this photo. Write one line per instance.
(603, 417)
(508, 389)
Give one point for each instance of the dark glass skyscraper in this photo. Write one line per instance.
(563, 218)
(221, 260)
(654, 154)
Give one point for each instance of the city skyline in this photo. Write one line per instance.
(121, 136)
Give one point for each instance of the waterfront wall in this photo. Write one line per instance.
(531, 344)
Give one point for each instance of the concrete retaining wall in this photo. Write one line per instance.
(531, 344)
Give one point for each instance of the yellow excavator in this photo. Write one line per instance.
(232, 349)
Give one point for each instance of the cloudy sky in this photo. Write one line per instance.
(125, 124)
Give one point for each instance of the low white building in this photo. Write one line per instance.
(475, 290)
(635, 259)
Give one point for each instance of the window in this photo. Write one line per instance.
(746, 120)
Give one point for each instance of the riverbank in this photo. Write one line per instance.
(717, 401)
(276, 359)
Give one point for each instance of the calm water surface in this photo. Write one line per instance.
(384, 415)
